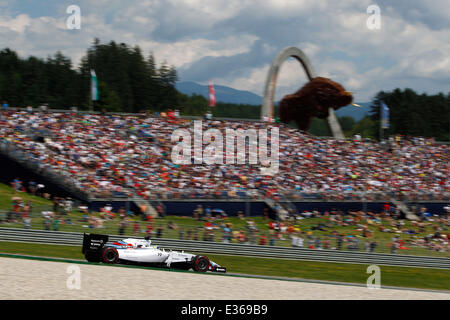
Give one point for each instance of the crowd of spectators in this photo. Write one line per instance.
(20, 212)
(337, 230)
(331, 230)
(120, 156)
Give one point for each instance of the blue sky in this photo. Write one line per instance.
(234, 41)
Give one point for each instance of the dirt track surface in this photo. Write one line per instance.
(31, 279)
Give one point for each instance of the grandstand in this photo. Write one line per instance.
(112, 157)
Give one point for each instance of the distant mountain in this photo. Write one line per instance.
(355, 112)
(230, 95)
(223, 93)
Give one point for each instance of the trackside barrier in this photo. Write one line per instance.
(75, 238)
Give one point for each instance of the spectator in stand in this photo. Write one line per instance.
(47, 222)
(241, 237)
(210, 235)
(171, 226)
(17, 184)
(394, 245)
(159, 232)
(56, 222)
(189, 234)
(135, 229)
(296, 240)
(39, 189)
(326, 243)
(68, 205)
(111, 155)
(149, 231)
(339, 242)
(122, 226)
(27, 223)
(425, 215)
(195, 235)
(272, 237)
(5, 106)
(32, 187)
(208, 211)
(263, 240)
(386, 209)
(181, 233)
(318, 243)
(160, 210)
(227, 233)
(252, 236)
(265, 214)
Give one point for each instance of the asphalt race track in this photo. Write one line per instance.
(34, 279)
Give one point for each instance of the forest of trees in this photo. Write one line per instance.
(414, 114)
(410, 114)
(131, 81)
(128, 80)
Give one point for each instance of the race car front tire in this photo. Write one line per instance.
(201, 264)
(110, 255)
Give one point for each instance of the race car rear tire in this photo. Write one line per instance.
(201, 264)
(110, 255)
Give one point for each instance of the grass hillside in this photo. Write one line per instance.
(7, 193)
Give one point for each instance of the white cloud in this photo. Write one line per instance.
(17, 24)
(290, 78)
(411, 49)
(183, 53)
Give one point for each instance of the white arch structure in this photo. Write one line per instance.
(269, 91)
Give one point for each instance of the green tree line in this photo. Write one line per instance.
(128, 80)
(410, 114)
(414, 114)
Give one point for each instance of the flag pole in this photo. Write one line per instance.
(212, 97)
(94, 90)
(381, 123)
(91, 100)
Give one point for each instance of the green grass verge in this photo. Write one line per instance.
(343, 272)
(6, 193)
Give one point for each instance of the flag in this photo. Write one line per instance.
(384, 116)
(212, 95)
(94, 86)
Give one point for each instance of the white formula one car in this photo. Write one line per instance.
(140, 252)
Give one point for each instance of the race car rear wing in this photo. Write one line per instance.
(93, 242)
